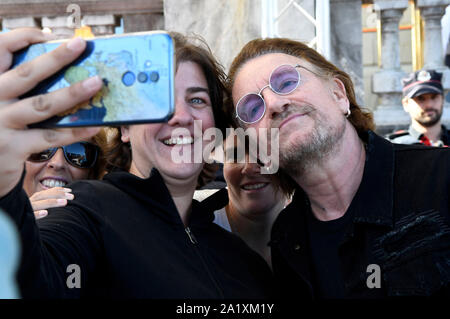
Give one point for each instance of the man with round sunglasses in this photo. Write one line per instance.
(360, 224)
(283, 80)
(50, 171)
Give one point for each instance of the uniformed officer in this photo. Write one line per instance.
(423, 99)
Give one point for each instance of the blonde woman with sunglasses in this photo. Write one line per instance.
(49, 172)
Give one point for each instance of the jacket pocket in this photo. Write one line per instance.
(415, 255)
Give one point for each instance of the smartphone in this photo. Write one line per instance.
(137, 71)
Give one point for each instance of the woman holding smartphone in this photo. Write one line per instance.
(136, 233)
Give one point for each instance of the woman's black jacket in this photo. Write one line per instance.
(123, 238)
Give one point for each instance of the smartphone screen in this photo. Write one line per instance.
(137, 71)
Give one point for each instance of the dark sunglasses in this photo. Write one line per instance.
(283, 80)
(80, 154)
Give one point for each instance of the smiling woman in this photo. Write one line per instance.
(254, 200)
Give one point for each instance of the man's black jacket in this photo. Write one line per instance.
(401, 224)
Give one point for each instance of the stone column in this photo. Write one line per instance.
(387, 82)
(432, 13)
(14, 23)
(225, 24)
(59, 26)
(100, 24)
(346, 41)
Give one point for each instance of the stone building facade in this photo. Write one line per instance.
(228, 24)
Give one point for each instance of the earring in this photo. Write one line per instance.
(348, 112)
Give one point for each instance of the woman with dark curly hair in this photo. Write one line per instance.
(49, 172)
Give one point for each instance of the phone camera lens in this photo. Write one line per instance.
(154, 76)
(128, 78)
(142, 77)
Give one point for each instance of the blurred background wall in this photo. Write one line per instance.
(377, 42)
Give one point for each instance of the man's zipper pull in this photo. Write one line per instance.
(191, 235)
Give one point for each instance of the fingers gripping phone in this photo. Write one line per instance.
(137, 71)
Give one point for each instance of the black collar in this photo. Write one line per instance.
(445, 135)
(373, 201)
(154, 195)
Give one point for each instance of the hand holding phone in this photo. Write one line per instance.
(137, 73)
(17, 142)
